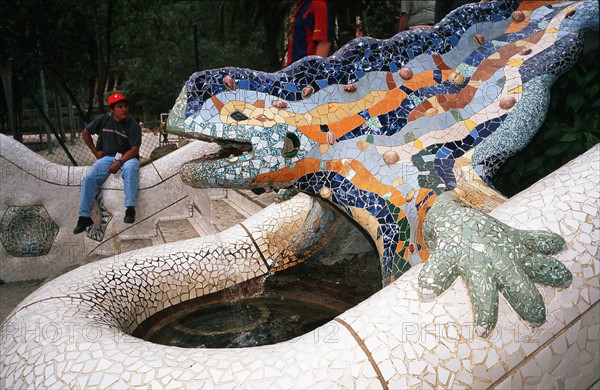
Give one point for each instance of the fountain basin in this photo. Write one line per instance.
(243, 323)
(266, 310)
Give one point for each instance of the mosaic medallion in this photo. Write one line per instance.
(101, 217)
(27, 231)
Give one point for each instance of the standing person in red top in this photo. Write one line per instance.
(311, 30)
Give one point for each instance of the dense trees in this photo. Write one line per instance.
(148, 48)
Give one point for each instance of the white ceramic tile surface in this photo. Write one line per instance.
(72, 331)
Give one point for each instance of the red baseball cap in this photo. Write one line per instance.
(115, 98)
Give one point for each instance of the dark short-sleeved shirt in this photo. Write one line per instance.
(311, 22)
(117, 137)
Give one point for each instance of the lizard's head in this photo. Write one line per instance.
(258, 134)
(275, 128)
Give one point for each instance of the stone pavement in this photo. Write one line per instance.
(13, 293)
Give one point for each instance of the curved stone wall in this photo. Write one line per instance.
(30, 181)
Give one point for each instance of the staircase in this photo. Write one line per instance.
(224, 212)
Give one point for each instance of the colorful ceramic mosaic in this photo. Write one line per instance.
(74, 331)
(27, 231)
(383, 127)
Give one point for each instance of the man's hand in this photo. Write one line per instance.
(114, 167)
(491, 257)
(98, 154)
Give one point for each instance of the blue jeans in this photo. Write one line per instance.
(95, 176)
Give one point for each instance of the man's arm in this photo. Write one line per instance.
(131, 153)
(323, 48)
(403, 21)
(89, 141)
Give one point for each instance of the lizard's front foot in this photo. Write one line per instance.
(491, 257)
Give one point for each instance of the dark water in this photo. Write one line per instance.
(267, 310)
(245, 323)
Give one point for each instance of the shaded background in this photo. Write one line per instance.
(61, 58)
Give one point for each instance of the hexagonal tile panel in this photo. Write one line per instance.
(27, 231)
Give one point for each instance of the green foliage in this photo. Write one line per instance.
(381, 18)
(162, 38)
(145, 48)
(572, 126)
(57, 35)
(378, 18)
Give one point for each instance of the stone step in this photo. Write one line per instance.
(248, 203)
(224, 213)
(176, 230)
(136, 243)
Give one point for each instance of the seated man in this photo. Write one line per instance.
(121, 138)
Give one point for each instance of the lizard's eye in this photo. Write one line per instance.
(290, 145)
(238, 115)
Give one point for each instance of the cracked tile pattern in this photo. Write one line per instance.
(386, 129)
(32, 180)
(73, 331)
(357, 130)
(101, 217)
(492, 258)
(434, 344)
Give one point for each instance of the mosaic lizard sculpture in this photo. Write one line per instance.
(403, 135)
